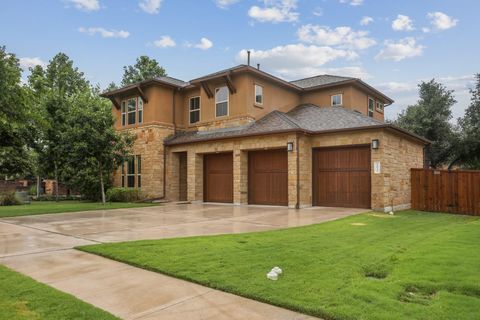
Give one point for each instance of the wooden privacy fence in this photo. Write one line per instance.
(446, 191)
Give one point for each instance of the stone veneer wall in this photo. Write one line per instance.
(149, 144)
(396, 156)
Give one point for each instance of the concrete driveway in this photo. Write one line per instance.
(41, 247)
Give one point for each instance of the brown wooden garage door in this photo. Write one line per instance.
(218, 177)
(341, 177)
(268, 177)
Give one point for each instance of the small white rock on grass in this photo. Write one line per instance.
(274, 273)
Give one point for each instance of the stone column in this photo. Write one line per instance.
(240, 177)
(194, 176)
(292, 173)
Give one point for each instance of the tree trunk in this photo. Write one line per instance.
(101, 183)
(56, 182)
(38, 187)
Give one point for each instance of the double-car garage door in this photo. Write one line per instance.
(340, 177)
(267, 177)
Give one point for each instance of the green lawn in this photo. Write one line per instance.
(413, 265)
(24, 298)
(42, 207)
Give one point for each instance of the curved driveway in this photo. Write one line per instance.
(41, 247)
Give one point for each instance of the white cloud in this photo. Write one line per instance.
(318, 12)
(296, 60)
(275, 11)
(395, 87)
(402, 23)
(366, 21)
(86, 5)
(27, 62)
(164, 42)
(150, 6)
(204, 44)
(343, 37)
(403, 49)
(224, 4)
(104, 32)
(353, 2)
(426, 30)
(441, 21)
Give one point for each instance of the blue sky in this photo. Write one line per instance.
(389, 44)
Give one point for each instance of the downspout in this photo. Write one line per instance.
(297, 206)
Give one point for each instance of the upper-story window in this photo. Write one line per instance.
(194, 109)
(371, 107)
(258, 94)
(132, 111)
(221, 102)
(379, 106)
(337, 100)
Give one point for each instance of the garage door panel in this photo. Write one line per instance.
(218, 177)
(268, 177)
(341, 177)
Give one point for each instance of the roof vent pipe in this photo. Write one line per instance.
(258, 66)
(248, 58)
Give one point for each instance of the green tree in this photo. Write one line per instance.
(111, 86)
(15, 125)
(54, 90)
(144, 68)
(430, 118)
(469, 144)
(96, 149)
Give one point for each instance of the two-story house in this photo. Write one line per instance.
(244, 136)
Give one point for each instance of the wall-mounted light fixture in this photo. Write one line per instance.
(289, 146)
(375, 144)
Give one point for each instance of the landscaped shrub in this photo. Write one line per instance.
(32, 190)
(123, 195)
(8, 199)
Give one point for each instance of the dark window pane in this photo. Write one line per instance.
(131, 118)
(140, 116)
(139, 181)
(195, 103)
(131, 165)
(123, 181)
(123, 119)
(194, 116)
(131, 182)
(139, 164)
(222, 109)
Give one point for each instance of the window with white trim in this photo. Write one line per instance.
(379, 106)
(130, 170)
(337, 100)
(221, 102)
(131, 111)
(124, 114)
(194, 109)
(371, 107)
(139, 171)
(140, 109)
(258, 94)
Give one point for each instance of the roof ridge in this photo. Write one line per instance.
(321, 75)
(287, 118)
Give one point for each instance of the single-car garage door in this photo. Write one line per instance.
(341, 177)
(218, 177)
(268, 177)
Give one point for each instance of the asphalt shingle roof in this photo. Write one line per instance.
(173, 81)
(304, 117)
(319, 81)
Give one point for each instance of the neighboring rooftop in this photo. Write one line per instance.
(320, 80)
(307, 118)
